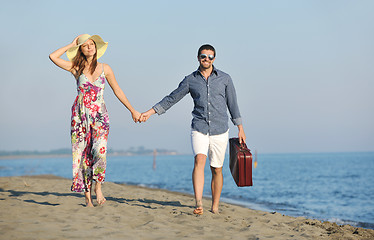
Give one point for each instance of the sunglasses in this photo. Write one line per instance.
(203, 56)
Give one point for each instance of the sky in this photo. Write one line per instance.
(303, 70)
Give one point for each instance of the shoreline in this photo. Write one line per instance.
(126, 154)
(257, 207)
(42, 206)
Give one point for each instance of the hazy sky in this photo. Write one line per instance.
(303, 70)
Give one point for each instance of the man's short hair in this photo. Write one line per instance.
(206, 47)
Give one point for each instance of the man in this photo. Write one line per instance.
(213, 93)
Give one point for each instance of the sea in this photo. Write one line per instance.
(335, 187)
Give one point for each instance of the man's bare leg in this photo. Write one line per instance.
(217, 183)
(198, 181)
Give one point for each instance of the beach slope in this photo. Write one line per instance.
(42, 207)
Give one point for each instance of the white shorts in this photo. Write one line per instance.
(216, 146)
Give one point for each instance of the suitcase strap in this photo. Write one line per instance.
(245, 166)
(244, 151)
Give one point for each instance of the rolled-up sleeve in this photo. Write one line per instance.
(171, 99)
(232, 103)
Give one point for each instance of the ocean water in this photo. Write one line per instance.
(337, 187)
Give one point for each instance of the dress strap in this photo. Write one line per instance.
(102, 66)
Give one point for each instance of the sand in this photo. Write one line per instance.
(42, 207)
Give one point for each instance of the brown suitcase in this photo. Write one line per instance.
(240, 163)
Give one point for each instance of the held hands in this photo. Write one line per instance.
(142, 117)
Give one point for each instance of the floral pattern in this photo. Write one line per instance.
(89, 133)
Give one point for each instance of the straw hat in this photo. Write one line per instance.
(100, 46)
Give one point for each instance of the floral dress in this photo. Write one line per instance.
(89, 133)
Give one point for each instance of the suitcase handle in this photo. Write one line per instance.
(242, 147)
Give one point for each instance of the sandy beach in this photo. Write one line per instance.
(43, 207)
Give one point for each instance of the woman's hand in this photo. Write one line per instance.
(56, 55)
(75, 41)
(135, 116)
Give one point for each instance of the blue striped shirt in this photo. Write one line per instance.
(211, 99)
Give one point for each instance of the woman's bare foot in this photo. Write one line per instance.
(99, 194)
(199, 207)
(215, 211)
(198, 211)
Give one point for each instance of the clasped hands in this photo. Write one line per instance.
(142, 117)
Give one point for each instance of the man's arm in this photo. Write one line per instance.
(174, 97)
(241, 134)
(168, 101)
(232, 105)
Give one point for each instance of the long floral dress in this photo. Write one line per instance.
(89, 133)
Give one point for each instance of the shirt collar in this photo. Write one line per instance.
(214, 71)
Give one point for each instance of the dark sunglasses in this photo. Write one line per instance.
(203, 56)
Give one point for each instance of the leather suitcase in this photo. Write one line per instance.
(240, 163)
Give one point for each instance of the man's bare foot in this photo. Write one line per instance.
(99, 194)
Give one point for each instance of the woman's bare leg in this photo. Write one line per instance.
(99, 194)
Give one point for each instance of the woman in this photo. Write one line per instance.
(90, 121)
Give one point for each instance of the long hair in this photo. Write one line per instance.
(79, 62)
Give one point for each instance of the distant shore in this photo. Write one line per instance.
(42, 207)
(67, 153)
(34, 156)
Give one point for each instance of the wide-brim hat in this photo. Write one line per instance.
(101, 46)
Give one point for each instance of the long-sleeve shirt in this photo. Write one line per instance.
(212, 97)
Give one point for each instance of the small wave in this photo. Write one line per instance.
(353, 223)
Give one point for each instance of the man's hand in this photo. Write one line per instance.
(241, 134)
(145, 115)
